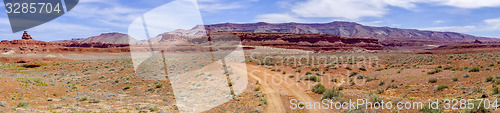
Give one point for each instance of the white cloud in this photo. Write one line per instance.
(108, 13)
(493, 24)
(350, 9)
(486, 25)
(469, 3)
(277, 18)
(437, 21)
(355, 9)
(214, 7)
(372, 23)
(218, 5)
(461, 29)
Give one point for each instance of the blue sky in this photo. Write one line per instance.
(93, 17)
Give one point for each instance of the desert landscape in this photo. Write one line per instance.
(255, 67)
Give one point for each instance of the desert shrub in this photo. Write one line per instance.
(477, 90)
(315, 69)
(380, 91)
(354, 73)
(298, 70)
(475, 69)
(126, 88)
(374, 98)
(23, 104)
(489, 79)
(454, 79)
(379, 69)
(381, 83)
(94, 101)
(368, 79)
(331, 93)
(33, 81)
(318, 88)
(158, 85)
(466, 75)
(448, 67)
(362, 68)
(263, 101)
(314, 78)
(291, 76)
(83, 98)
(428, 109)
(257, 89)
(434, 71)
(348, 68)
(495, 91)
(334, 80)
(361, 76)
(433, 80)
(393, 86)
(441, 87)
(497, 81)
(478, 108)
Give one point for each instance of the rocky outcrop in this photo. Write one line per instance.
(313, 42)
(26, 36)
(27, 45)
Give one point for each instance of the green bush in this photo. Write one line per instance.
(466, 75)
(331, 93)
(448, 67)
(374, 98)
(475, 69)
(23, 104)
(348, 68)
(83, 98)
(489, 79)
(433, 80)
(257, 89)
(434, 71)
(314, 78)
(354, 73)
(478, 108)
(315, 69)
(477, 90)
(94, 101)
(380, 91)
(158, 85)
(393, 86)
(318, 88)
(381, 83)
(362, 68)
(495, 91)
(454, 79)
(126, 88)
(441, 87)
(428, 109)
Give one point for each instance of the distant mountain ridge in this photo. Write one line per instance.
(339, 28)
(110, 38)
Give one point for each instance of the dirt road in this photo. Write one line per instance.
(276, 86)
